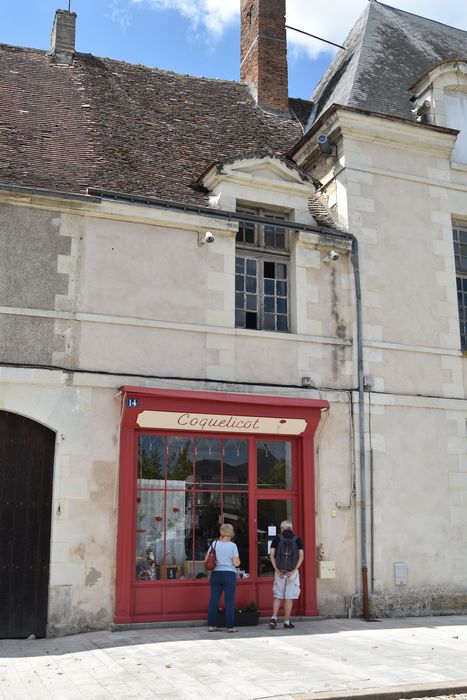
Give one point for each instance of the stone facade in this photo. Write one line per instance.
(99, 292)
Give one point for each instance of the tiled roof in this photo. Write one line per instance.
(116, 126)
(386, 52)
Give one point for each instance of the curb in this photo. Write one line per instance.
(393, 692)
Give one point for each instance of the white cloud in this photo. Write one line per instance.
(119, 13)
(332, 20)
(212, 15)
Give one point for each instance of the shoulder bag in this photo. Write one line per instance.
(211, 560)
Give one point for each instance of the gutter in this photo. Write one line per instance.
(233, 216)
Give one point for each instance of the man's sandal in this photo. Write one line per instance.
(214, 629)
(272, 623)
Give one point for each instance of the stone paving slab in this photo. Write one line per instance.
(342, 658)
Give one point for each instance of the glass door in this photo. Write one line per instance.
(276, 493)
(270, 514)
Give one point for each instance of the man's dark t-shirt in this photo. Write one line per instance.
(286, 534)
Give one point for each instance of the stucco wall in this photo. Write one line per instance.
(83, 540)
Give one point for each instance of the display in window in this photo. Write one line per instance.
(178, 516)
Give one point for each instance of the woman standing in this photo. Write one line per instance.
(224, 578)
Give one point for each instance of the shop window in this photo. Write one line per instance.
(460, 255)
(262, 273)
(186, 488)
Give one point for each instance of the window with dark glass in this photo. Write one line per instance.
(262, 273)
(460, 255)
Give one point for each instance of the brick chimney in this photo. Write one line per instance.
(263, 53)
(62, 42)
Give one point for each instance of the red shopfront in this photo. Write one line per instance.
(191, 460)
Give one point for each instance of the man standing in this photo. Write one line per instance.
(286, 557)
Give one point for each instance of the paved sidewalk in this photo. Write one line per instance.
(188, 662)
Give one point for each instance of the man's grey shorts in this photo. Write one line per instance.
(286, 588)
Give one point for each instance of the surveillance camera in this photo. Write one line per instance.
(208, 237)
(332, 256)
(327, 149)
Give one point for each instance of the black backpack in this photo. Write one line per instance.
(287, 553)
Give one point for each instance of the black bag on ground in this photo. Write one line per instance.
(287, 553)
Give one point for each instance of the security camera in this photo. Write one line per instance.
(332, 256)
(208, 237)
(423, 111)
(327, 149)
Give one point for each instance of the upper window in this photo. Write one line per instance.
(460, 255)
(262, 273)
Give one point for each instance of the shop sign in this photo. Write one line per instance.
(213, 423)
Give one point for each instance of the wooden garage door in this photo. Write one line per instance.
(26, 472)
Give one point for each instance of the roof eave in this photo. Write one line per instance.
(333, 110)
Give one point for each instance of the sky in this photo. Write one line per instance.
(201, 37)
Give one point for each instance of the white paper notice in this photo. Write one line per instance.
(271, 531)
(269, 546)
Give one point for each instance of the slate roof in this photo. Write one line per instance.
(387, 51)
(116, 126)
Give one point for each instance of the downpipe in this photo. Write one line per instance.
(361, 427)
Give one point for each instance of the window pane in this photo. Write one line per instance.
(281, 289)
(281, 270)
(246, 232)
(269, 237)
(239, 300)
(150, 515)
(269, 269)
(179, 463)
(151, 461)
(251, 302)
(269, 304)
(235, 512)
(240, 265)
(274, 463)
(240, 319)
(282, 323)
(208, 464)
(251, 267)
(251, 284)
(281, 305)
(269, 322)
(239, 283)
(251, 320)
(206, 522)
(236, 464)
(280, 239)
(269, 286)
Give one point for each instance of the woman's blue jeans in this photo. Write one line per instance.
(225, 581)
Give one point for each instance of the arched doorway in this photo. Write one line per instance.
(26, 477)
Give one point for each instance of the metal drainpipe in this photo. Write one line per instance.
(361, 426)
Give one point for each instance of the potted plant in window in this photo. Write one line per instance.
(245, 616)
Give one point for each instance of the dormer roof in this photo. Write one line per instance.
(387, 51)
